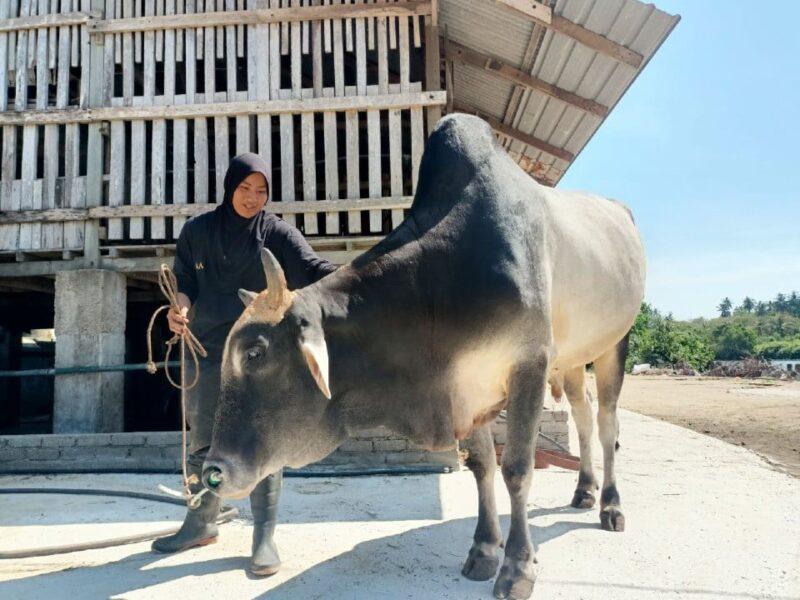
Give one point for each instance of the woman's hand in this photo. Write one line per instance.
(177, 318)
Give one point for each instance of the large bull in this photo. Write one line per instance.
(492, 287)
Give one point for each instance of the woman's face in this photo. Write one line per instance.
(251, 195)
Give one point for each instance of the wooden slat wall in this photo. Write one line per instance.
(326, 155)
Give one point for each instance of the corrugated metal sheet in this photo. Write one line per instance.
(490, 28)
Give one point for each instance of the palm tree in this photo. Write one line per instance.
(748, 304)
(725, 307)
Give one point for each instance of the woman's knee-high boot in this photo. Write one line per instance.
(264, 504)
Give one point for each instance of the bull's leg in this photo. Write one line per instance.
(610, 370)
(482, 561)
(526, 396)
(575, 387)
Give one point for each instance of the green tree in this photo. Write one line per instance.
(725, 307)
(733, 341)
(748, 304)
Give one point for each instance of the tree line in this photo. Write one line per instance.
(762, 329)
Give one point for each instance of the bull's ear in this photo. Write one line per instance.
(246, 296)
(316, 355)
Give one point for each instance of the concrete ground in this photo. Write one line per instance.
(705, 519)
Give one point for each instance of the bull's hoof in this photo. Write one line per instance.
(515, 580)
(582, 499)
(612, 519)
(481, 563)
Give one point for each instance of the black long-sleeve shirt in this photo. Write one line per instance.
(215, 301)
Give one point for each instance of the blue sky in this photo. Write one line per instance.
(705, 148)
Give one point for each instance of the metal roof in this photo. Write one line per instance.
(502, 33)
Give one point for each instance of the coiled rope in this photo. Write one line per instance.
(169, 287)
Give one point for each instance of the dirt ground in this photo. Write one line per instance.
(763, 415)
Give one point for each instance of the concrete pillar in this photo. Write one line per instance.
(90, 331)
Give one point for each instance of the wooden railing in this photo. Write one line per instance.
(117, 126)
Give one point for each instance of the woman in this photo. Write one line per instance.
(217, 254)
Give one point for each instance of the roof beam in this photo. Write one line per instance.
(543, 15)
(520, 136)
(464, 55)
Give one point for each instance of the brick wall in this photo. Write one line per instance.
(160, 451)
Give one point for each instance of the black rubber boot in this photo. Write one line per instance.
(199, 526)
(264, 504)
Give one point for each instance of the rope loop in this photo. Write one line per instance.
(169, 287)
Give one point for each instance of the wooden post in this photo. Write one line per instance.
(94, 165)
(432, 69)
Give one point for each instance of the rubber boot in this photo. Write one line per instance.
(264, 504)
(199, 526)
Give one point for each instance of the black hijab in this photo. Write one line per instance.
(238, 238)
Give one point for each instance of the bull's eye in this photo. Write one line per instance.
(254, 353)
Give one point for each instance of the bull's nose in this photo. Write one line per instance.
(213, 477)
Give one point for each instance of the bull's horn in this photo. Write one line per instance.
(246, 296)
(276, 280)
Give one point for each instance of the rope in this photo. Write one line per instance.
(169, 287)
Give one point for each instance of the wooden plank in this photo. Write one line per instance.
(361, 58)
(4, 45)
(209, 71)
(331, 169)
(432, 68)
(116, 184)
(8, 167)
(316, 50)
(395, 162)
(338, 58)
(12, 38)
(201, 192)
(230, 54)
(159, 38)
(175, 210)
(158, 175)
(538, 13)
(52, 234)
(374, 165)
(180, 190)
(296, 73)
(21, 65)
(348, 33)
(274, 56)
(42, 70)
(383, 57)
(327, 30)
(45, 21)
(220, 33)
(287, 162)
(288, 14)
(169, 58)
(177, 7)
(29, 235)
(221, 155)
(518, 135)
(353, 167)
(191, 54)
(464, 55)
(108, 60)
(127, 57)
(149, 57)
(240, 33)
(138, 177)
(417, 145)
(308, 155)
(72, 232)
(137, 37)
(404, 48)
(181, 110)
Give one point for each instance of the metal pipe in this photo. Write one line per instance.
(82, 370)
